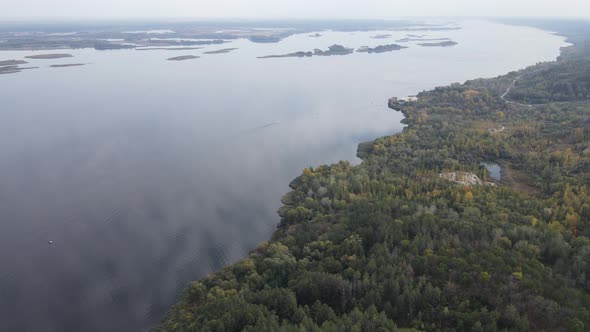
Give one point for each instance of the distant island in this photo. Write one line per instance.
(13, 69)
(68, 65)
(383, 36)
(381, 48)
(49, 56)
(440, 44)
(168, 48)
(13, 66)
(332, 50)
(317, 35)
(183, 57)
(224, 50)
(299, 54)
(12, 62)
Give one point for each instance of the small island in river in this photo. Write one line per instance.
(446, 43)
(383, 36)
(12, 66)
(13, 69)
(332, 50)
(68, 65)
(381, 48)
(12, 62)
(299, 54)
(224, 50)
(168, 48)
(49, 56)
(183, 57)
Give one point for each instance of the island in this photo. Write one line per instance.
(168, 48)
(317, 35)
(224, 50)
(332, 50)
(382, 36)
(12, 62)
(418, 236)
(13, 69)
(49, 56)
(299, 54)
(9, 69)
(439, 44)
(67, 65)
(381, 48)
(183, 58)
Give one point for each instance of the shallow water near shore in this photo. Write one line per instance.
(124, 179)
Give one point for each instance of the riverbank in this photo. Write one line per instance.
(390, 244)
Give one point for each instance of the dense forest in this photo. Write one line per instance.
(394, 244)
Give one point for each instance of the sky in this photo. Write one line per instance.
(312, 9)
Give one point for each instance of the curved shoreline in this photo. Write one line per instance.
(287, 200)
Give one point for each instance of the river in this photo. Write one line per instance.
(126, 178)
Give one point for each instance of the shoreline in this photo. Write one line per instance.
(409, 119)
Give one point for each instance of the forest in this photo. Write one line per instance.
(391, 245)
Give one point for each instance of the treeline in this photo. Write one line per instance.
(390, 246)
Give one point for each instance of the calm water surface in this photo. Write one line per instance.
(147, 173)
(494, 169)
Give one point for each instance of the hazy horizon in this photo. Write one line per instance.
(290, 9)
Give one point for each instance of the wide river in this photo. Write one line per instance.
(146, 174)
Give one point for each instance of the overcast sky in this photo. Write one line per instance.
(291, 8)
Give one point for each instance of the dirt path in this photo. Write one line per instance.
(503, 96)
